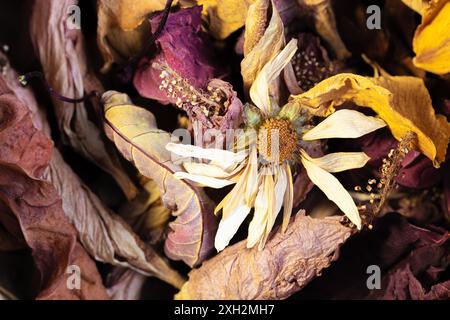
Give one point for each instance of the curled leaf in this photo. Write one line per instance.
(325, 24)
(402, 102)
(133, 130)
(288, 262)
(431, 41)
(37, 207)
(71, 77)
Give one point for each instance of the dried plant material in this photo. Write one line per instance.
(431, 41)
(224, 17)
(70, 76)
(289, 262)
(263, 46)
(417, 5)
(37, 207)
(134, 132)
(125, 284)
(332, 189)
(402, 102)
(256, 23)
(325, 25)
(309, 66)
(391, 169)
(344, 124)
(105, 235)
(146, 213)
(267, 184)
(184, 50)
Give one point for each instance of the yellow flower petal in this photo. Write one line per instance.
(259, 92)
(431, 41)
(333, 189)
(402, 102)
(339, 161)
(344, 123)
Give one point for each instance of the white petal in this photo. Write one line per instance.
(259, 92)
(204, 181)
(278, 197)
(263, 205)
(207, 170)
(229, 226)
(223, 157)
(333, 189)
(288, 199)
(344, 123)
(251, 187)
(339, 161)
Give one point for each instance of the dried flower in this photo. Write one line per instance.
(266, 185)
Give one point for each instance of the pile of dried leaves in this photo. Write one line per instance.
(256, 149)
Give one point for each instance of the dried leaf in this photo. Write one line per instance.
(325, 25)
(288, 262)
(105, 235)
(125, 284)
(431, 41)
(224, 17)
(71, 77)
(133, 130)
(402, 102)
(37, 207)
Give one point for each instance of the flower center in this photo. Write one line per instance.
(277, 140)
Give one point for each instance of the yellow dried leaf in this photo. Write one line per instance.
(118, 34)
(135, 134)
(224, 17)
(417, 5)
(402, 102)
(267, 47)
(431, 41)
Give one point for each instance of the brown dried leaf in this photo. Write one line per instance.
(71, 77)
(105, 235)
(325, 24)
(134, 131)
(125, 284)
(288, 262)
(37, 207)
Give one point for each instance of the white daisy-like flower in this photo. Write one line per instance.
(260, 163)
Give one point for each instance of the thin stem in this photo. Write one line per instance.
(25, 79)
